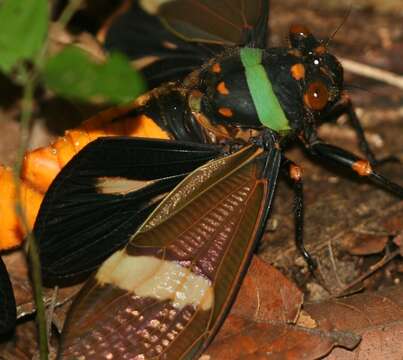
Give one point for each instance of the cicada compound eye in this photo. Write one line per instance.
(316, 96)
(297, 34)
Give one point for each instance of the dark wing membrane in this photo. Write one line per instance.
(159, 54)
(166, 293)
(8, 313)
(225, 22)
(103, 194)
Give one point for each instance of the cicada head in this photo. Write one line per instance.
(319, 72)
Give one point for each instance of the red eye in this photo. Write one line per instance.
(299, 30)
(316, 96)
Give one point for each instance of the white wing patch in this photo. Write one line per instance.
(119, 185)
(148, 276)
(151, 6)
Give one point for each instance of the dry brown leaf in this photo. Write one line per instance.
(267, 295)
(255, 341)
(377, 317)
(258, 325)
(364, 244)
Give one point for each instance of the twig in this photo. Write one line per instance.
(51, 311)
(29, 80)
(69, 11)
(334, 265)
(388, 257)
(372, 72)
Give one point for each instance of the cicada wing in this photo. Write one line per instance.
(103, 194)
(166, 294)
(169, 39)
(8, 313)
(157, 52)
(226, 22)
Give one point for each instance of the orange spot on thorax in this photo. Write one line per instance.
(222, 88)
(216, 68)
(227, 112)
(298, 71)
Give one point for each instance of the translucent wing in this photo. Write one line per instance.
(226, 22)
(103, 194)
(166, 293)
(197, 32)
(158, 53)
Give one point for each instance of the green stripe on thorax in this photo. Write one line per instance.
(265, 100)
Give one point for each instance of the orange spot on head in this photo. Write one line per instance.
(222, 88)
(298, 71)
(227, 112)
(295, 172)
(362, 167)
(216, 68)
(320, 50)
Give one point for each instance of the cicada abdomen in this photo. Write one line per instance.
(41, 166)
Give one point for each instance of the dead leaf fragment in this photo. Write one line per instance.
(377, 317)
(255, 341)
(267, 295)
(258, 326)
(364, 244)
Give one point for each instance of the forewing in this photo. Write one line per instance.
(7, 301)
(169, 39)
(103, 194)
(158, 53)
(226, 22)
(167, 292)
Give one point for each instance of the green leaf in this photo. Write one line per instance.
(23, 28)
(73, 74)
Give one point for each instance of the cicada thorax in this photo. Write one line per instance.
(246, 90)
(220, 101)
(161, 114)
(227, 97)
(277, 88)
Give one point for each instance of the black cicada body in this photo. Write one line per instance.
(172, 224)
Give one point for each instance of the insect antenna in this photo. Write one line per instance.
(345, 18)
(353, 87)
